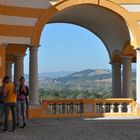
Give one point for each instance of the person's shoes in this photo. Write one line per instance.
(23, 126)
(4, 130)
(17, 124)
(13, 130)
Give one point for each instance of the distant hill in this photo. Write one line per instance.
(50, 75)
(55, 74)
(90, 83)
(83, 80)
(87, 75)
(90, 79)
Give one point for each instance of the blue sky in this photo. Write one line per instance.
(68, 47)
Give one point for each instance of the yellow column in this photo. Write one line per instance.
(2, 63)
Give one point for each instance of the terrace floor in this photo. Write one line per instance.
(127, 128)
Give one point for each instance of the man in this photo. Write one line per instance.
(10, 103)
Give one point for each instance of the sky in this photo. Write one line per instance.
(68, 47)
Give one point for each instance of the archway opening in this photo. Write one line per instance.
(76, 63)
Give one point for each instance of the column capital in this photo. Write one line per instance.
(31, 49)
(9, 62)
(114, 63)
(3, 45)
(126, 58)
(18, 55)
(34, 45)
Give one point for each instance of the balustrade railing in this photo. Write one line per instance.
(58, 107)
(85, 107)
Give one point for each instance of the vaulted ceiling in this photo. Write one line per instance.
(18, 19)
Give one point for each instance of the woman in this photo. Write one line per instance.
(22, 102)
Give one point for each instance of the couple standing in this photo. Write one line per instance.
(15, 99)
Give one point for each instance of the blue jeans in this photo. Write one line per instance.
(7, 108)
(21, 110)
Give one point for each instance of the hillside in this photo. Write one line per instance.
(87, 79)
(91, 83)
(83, 80)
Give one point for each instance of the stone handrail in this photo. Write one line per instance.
(90, 107)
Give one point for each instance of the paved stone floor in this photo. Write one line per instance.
(77, 129)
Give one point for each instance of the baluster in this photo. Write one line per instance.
(112, 108)
(129, 108)
(71, 107)
(97, 108)
(81, 108)
(63, 108)
(53, 108)
(76, 107)
(120, 106)
(59, 108)
(104, 107)
(68, 108)
(50, 109)
(107, 107)
(100, 108)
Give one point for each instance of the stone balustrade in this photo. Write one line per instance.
(90, 107)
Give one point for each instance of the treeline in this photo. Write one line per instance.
(55, 94)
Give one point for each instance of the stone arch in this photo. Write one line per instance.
(51, 11)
